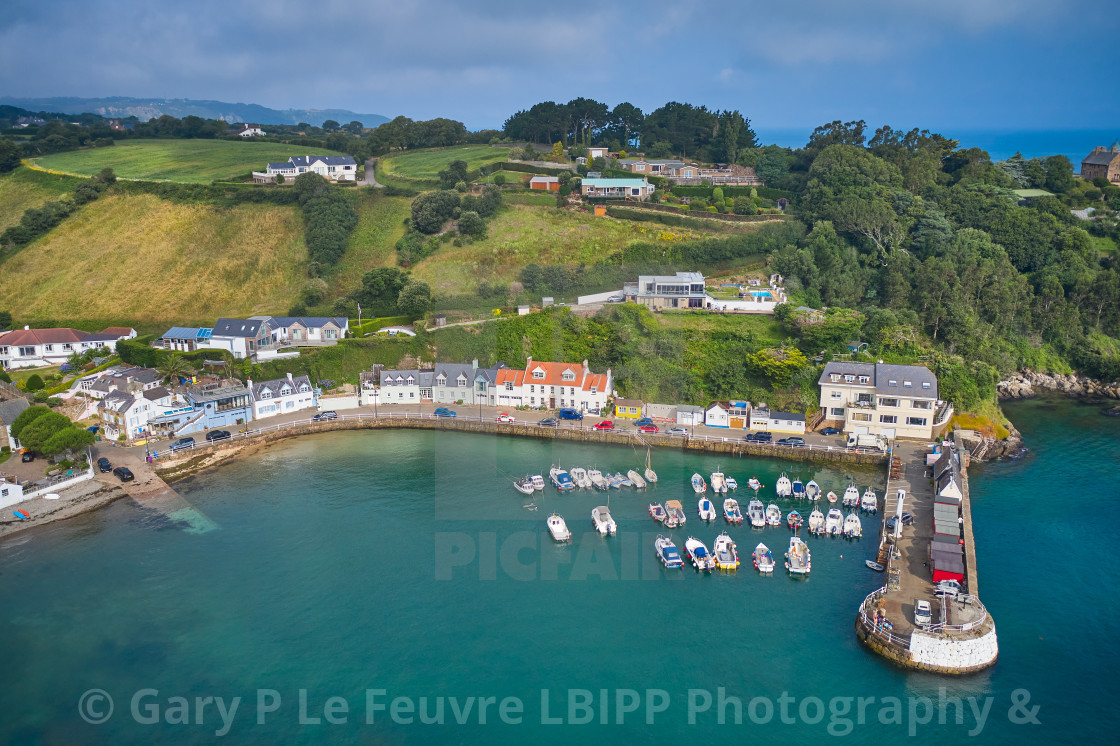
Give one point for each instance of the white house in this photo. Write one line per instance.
(553, 385)
(9, 410)
(121, 413)
(281, 396)
(241, 337)
(28, 348)
(458, 382)
(383, 387)
(249, 130)
(598, 152)
(304, 331)
(690, 415)
(716, 414)
(638, 189)
(129, 380)
(11, 493)
(895, 401)
(334, 167)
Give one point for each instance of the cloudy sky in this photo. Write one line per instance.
(977, 64)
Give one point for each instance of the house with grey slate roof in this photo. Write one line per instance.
(333, 167)
(895, 401)
(460, 382)
(282, 396)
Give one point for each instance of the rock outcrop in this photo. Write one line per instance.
(1027, 384)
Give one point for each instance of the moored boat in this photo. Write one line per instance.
(524, 485)
(869, 501)
(558, 528)
(718, 485)
(756, 513)
(538, 482)
(874, 565)
(831, 496)
(699, 486)
(798, 561)
(773, 515)
(782, 486)
(798, 489)
(794, 520)
(667, 553)
(851, 497)
(636, 479)
(622, 481)
(725, 552)
(707, 510)
(604, 523)
(657, 513)
(756, 485)
(834, 522)
(731, 483)
(598, 481)
(651, 475)
(561, 478)
(580, 478)
(697, 553)
(614, 480)
(816, 522)
(853, 529)
(763, 559)
(675, 511)
(813, 490)
(731, 511)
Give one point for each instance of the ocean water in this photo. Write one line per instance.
(328, 577)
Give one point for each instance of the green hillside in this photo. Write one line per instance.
(196, 161)
(23, 189)
(426, 164)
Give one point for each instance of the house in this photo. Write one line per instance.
(598, 153)
(553, 385)
(547, 183)
(716, 415)
(658, 167)
(661, 412)
(947, 480)
(27, 347)
(895, 401)
(1102, 163)
(333, 167)
(760, 418)
(523, 310)
(221, 404)
(682, 290)
(120, 332)
(636, 189)
(306, 331)
(459, 382)
(630, 409)
(126, 379)
(123, 415)
(184, 338)
(243, 338)
(247, 130)
(786, 422)
(11, 493)
(9, 410)
(282, 396)
(22, 122)
(690, 415)
(396, 386)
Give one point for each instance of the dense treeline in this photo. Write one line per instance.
(37, 221)
(329, 216)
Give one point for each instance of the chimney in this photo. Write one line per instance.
(291, 380)
(585, 368)
(528, 362)
(26, 328)
(474, 364)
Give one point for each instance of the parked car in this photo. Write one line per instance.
(678, 430)
(762, 437)
(549, 422)
(124, 474)
(643, 421)
(503, 417)
(443, 412)
(330, 414)
(104, 466)
(605, 425)
(792, 441)
(569, 414)
(616, 299)
(182, 443)
(217, 435)
(923, 615)
(907, 520)
(27, 457)
(830, 431)
(648, 429)
(948, 588)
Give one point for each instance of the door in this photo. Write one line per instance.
(552, 402)
(738, 423)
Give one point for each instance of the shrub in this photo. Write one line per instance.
(432, 209)
(471, 224)
(499, 179)
(34, 383)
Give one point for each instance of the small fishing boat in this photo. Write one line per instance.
(731, 483)
(561, 478)
(851, 497)
(623, 481)
(773, 515)
(798, 489)
(699, 486)
(756, 513)
(651, 475)
(718, 485)
(636, 479)
(604, 523)
(657, 513)
(538, 482)
(813, 490)
(853, 529)
(558, 528)
(697, 553)
(798, 561)
(869, 501)
(832, 498)
(782, 486)
(580, 478)
(756, 485)
(667, 552)
(614, 480)
(834, 522)
(676, 512)
(707, 510)
(524, 485)
(725, 552)
(731, 511)
(763, 559)
(794, 520)
(816, 522)
(598, 481)
(874, 565)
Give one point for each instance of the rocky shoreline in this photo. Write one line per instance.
(1028, 383)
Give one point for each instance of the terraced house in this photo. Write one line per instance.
(281, 396)
(553, 385)
(895, 401)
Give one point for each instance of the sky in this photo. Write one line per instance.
(937, 64)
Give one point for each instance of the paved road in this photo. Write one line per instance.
(370, 178)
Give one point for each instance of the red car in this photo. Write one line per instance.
(648, 429)
(605, 425)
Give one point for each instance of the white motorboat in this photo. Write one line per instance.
(707, 510)
(657, 513)
(718, 485)
(580, 478)
(558, 528)
(696, 552)
(798, 561)
(622, 481)
(816, 522)
(725, 552)
(667, 552)
(834, 522)
(869, 501)
(604, 523)
(699, 486)
(598, 481)
(763, 559)
(773, 515)
(798, 489)
(676, 512)
(561, 478)
(851, 497)
(756, 513)
(756, 485)
(853, 529)
(831, 497)
(538, 482)
(524, 485)
(731, 511)
(813, 490)
(873, 565)
(651, 475)
(731, 483)
(636, 479)
(783, 486)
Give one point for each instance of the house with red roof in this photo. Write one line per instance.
(30, 348)
(553, 386)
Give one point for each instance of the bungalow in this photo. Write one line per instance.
(247, 130)
(553, 385)
(27, 347)
(334, 167)
(11, 493)
(120, 332)
(630, 409)
(716, 415)
(281, 396)
(547, 183)
(636, 189)
(661, 167)
(787, 422)
(661, 412)
(598, 153)
(306, 331)
(184, 338)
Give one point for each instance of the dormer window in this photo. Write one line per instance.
(907, 384)
(835, 378)
(893, 382)
(849, 379)
(286, 391)
(538, 373)
(304, 388)
(266, 394)
(441, 380)
(411, 380)
(594, 389)
(569, 376)
(865, 379)
(461, 381)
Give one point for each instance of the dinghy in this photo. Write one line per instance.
(731, 483)
(831, 496)
(794, 520)
(756, 485)
(657, 512)
(699, 486)
(874, 565)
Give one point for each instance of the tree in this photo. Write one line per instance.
(455, 172)
(67, 439)
(9, 155)
(25, 418)
(415, 299)
(330, 126)
(173, 367)
(5, 320)
(381, 287)
(471, 224)
(432, 209)
(36, 434)
(499, 179)
(33, 383)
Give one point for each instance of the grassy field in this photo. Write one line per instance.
(373, 241)
(23, 189)
(1105, 245)
(150, 259)
(426, 164)
(195, 161)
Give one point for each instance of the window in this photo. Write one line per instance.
(865, 379)
(572, 390)
(883, 402)
(893, 382)
(836, 395)
(837, 411)
(532, 389)
(538, 374)
(922, 405)
(907, 384)
(441, 381)
(461, 381)
(925, 384)
(915, 420)
(835, 378)
(594, 389)
(286, 391)
(887, 419)
(552, 389)
(266, 394)
(532, 400)
(569, 376)
(861, 416)
(849, 379)
(509, 386)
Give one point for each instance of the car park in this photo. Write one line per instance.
(648, 429)
(605, 425)
(330, 414)
(443, 412)
(792, 441)
(503, 417)
(182, 443)
(217, 435)
(678, 430)
(124, 474)
(549, 422)
(830, 431)
(104, 466)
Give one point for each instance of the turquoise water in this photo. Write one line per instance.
(404, 561)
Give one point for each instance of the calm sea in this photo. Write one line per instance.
(329, 577)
